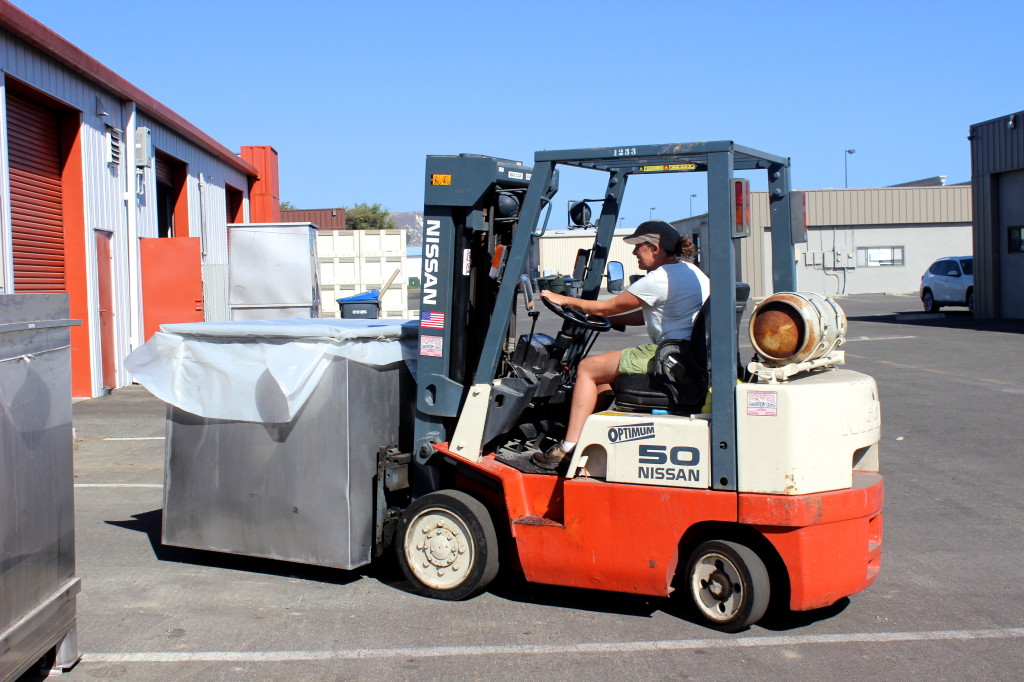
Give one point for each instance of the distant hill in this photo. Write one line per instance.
(412, 223)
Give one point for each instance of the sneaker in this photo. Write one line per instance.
(551, 459)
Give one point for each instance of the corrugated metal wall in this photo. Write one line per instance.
(997, 146)
(323, 218)
(207, 207)
(104, 205)
(106, 186)
(880, 206)
(929, 222)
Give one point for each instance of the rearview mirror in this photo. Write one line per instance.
(616, 277)
(952, 273)
(527, 287)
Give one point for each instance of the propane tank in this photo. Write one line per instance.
(791, 327)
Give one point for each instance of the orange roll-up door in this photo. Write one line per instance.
(37, 221)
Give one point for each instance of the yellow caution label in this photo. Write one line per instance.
(440, 179)
(669, 167)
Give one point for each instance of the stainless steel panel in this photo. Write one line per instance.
(37, 522)
(300, 491)
(274, 266)
(246, 313)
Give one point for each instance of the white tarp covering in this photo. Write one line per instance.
(260, 371)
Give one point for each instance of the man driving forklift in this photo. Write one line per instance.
(667, 300)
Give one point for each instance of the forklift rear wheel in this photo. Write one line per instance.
(729, 584)
(447, 546)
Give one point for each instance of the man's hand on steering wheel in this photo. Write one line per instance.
(566, 308)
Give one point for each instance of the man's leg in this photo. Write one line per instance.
(593, 378)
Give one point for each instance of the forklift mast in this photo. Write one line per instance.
(471, 211)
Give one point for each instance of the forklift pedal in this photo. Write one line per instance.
(523, 461)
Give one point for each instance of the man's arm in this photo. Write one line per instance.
(624, 307)
(631, 319)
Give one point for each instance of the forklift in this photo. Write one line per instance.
(770, 495)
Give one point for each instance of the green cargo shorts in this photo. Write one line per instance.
(639, 360)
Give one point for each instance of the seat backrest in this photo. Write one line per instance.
(681, 377)
(699, 335)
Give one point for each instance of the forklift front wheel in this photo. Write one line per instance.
(729, 584)
(447, 546)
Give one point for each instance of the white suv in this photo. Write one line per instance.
(949, 281)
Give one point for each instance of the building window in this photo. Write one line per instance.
(874, 256)
(1016, 239)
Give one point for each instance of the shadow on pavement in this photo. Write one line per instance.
(949, 320)
(151, 522)
(515, 588)
(779, 621)
(509, 586)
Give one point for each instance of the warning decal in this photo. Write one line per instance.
(763, 403)
(431, 346)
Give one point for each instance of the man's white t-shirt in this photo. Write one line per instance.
(672, 296)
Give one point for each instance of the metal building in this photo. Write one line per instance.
(997, 176)
(112, 197)
(323, 218)
(859, 240)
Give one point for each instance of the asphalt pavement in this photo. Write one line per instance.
(948, 604)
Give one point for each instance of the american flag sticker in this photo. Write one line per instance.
(432, 320)
(432, 346)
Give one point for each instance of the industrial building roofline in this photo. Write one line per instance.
(22, 26)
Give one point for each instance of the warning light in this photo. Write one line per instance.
(741, 192)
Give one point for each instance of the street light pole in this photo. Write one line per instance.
(691, 204)
(650, 216)
(846, 175)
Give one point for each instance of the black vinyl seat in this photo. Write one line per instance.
(680, 380)
(681, 377)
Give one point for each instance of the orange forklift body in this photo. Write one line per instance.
(589, 533)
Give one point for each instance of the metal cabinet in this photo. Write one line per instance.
(37, 512)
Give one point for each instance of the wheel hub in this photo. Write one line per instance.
(716, 588)
(719, 585)
(438, 549)
(441, 546)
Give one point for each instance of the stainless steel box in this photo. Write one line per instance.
(274, 271)
(37, 503)
(300, 491)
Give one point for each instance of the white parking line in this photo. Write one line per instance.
(140, 438)
(119, 485)
(877, 338)
(588, 647)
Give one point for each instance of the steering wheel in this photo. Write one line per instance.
(592, 322)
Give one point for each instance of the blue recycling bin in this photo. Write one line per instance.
(364, 306)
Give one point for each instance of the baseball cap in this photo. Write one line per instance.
(655, 232)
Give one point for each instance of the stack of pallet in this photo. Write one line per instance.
(354, 261)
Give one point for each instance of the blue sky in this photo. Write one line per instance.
(354, 95)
